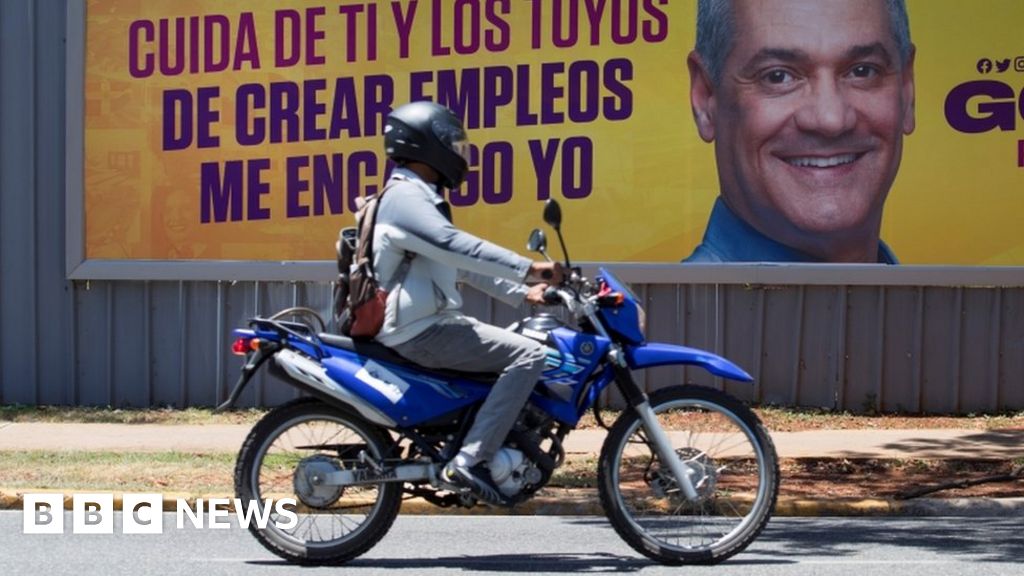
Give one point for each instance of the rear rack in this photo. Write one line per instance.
(300, 330)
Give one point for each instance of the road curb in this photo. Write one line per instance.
(586, 503)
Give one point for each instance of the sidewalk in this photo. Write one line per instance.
(939, 444)
(828, 444)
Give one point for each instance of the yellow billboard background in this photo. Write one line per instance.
(957, 199)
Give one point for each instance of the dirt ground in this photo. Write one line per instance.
(789, 420)
(854, 479)
(882, 479)
(843, 478)
(885, 479)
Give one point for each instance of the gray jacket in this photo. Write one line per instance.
(408, 221)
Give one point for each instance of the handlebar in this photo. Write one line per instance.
(551, 296)
(579, 305)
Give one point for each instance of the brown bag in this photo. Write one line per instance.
(366, 299)
(359, 299)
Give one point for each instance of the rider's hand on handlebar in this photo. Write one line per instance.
(552, 273)
(535, 295)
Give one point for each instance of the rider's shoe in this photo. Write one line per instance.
(477, 479)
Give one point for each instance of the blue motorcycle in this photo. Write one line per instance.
(687, 474)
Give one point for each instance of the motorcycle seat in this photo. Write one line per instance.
(378, 351)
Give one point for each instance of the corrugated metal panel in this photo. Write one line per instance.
(146, 343)
(941, 366)
(1011, 350)
(854, 348)
(34, 300)
(897, 392)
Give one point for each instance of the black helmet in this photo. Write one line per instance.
(429, 133)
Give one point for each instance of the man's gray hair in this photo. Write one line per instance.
(716, 27)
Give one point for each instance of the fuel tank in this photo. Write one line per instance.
(539, 327)
(571, 355)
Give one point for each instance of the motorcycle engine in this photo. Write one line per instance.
(512, 472)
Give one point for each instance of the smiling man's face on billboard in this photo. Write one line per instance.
(807, 115)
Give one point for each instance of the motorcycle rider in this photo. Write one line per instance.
(419, 256)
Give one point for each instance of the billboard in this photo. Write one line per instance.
(243, 131)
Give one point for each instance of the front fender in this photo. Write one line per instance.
(655, 354)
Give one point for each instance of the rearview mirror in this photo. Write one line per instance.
(553, 214)
(538, 242)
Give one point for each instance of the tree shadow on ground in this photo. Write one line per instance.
(784, 541)
(989, 444)
(980, 539)
(590, 563)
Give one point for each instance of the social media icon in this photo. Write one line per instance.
(984, 66)
(1002, 65)
(1018, 64)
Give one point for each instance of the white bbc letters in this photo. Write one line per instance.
(92, 514)
(43, 514)
(142, 514)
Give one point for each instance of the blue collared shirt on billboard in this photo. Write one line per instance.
(730, 239)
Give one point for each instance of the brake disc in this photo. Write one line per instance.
(705, 477)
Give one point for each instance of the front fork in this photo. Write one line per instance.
(659, 440)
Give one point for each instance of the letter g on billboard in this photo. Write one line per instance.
(982, 105)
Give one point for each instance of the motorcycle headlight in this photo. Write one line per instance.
(641, 318)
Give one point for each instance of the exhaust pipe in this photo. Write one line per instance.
(309, 373)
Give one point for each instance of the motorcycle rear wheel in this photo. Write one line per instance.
(290, 445)
(736, 478)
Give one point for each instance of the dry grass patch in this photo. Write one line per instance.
(119, 472)
(93, 415)
(805, 419)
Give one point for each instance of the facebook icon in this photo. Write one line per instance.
(984, 65)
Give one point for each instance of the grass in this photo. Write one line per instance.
(108, 415)
(776, 419)
(212, 474)
(207, 474)
(576, 473)
(119, 471)
(188, 473)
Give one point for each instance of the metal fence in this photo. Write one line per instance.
(859, 348)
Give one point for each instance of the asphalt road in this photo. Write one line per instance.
(428, 545)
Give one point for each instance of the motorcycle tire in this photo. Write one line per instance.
(736, 478)
(268, 467)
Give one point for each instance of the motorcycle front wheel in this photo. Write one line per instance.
(735, 474)
(287, 455)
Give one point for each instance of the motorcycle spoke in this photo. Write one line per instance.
(726, 476)
(317, 439)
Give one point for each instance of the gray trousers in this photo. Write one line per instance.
(466, 344)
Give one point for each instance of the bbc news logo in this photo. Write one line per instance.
(143, 513)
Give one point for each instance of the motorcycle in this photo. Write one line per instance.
(687, 474)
